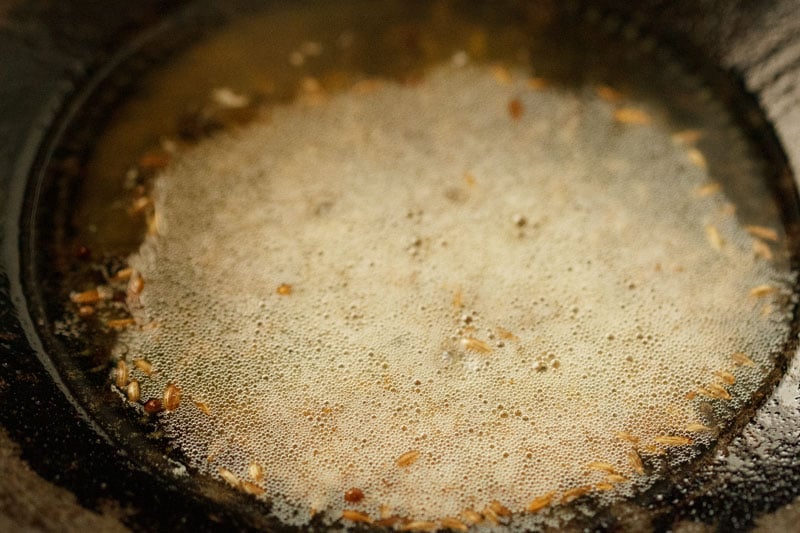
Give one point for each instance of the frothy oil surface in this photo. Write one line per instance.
(468, 290)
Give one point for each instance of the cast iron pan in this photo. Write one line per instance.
(56, 55)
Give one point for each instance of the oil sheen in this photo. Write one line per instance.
(474, 293)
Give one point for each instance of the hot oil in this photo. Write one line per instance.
(405, 261)
(176, 102)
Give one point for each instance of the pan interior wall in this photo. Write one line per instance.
(444, 257)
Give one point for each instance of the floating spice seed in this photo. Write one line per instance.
(697, 158)
(537, 504)
(515, 109)
(636, 462)
(384, 511)
(703, 391)
(471, 517)
(615, 478)
(696, 427)
(762, 232)
(627, 115)
(389, 522)
(123, 274)
(762, 250)
(387, 519)
(152, 222)
(726, 377)
(505, 334)
(356, 516)
(226, 97)
(475, 345)
(120, 323)
(761, 290)
(136, 284)
(204, 408)
(602, 467)
(714, 238)
(229, 477)
(673, 440)
(408, 458)
(458, 299)
(652, 449)
(121, 374)
(625, 435)
(573, 494)
(538, 84)
(153, 406)
(251, 488)
(708, 189)
(501, 74)
(608, 94)
(284, 289)
(92, 296)
(144, 366)
(255, 471)
(717, 391)
(419, 525)
(172, 397)
(604, 486)
(132, 391)
(154, 160)
(139, 205)
(742, 360)
(453, 524)
(490, 516)
(353, 495)
(687, 136)
(85, 311)
(496, 512)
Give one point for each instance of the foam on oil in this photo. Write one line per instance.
(472, 289)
